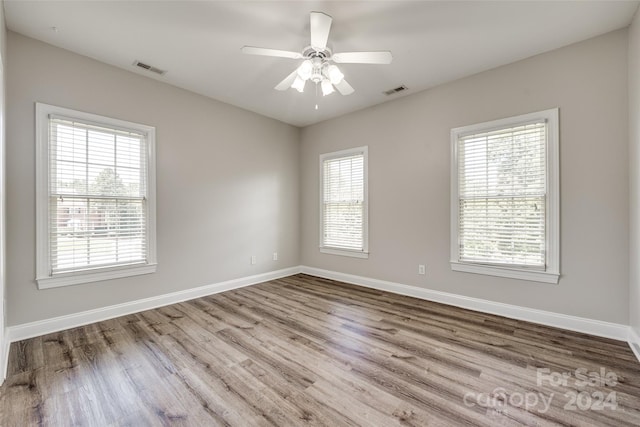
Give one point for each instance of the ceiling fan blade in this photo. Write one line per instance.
(344, 88)
(286, 83)
(381, 57)
(252, 50)
(320, 26)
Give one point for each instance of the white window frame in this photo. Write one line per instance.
(364, 253)
(44, 278)
(551, 272)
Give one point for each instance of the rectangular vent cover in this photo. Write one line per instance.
(149, 68)
(395, 90)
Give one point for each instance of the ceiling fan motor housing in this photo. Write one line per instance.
(311, 53)
(320, 61)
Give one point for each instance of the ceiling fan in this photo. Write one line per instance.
(318, 65)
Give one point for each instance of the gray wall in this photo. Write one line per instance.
(409, 180)
(3, 56)
(634, 172)
(227, 181)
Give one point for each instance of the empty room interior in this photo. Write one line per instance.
(367, 213)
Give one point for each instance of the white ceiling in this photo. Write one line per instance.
(198, 42)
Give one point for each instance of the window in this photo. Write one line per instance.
(95, 197)
(343, 203)
(505, 197)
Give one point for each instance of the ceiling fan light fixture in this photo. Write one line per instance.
(298, 84)
(327, 87)
(305, 69)
(316, 76)
(334, 74)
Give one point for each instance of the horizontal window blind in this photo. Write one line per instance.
(502, 196)
(343, 202)
(97, 196)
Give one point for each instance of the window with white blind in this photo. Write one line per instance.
(343, 203)
(505, 197)
(95, 197)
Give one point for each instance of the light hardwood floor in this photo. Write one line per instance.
(308, 351)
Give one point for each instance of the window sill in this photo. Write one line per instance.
(531, 275)
(77, 278)
(344, 252)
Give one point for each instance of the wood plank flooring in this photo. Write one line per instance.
(308, 351)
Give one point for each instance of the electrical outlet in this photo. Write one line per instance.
(253, 259)
(275, 256)
(421, 269)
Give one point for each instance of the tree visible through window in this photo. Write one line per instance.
(502, 196)
(505, 215)
(343, 213)
(99, 210)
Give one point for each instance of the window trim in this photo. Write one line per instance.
(44, 279)
(551, 273)
(331, 250)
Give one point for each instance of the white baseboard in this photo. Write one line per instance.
(563, 321)
(4, 348)
(573, 323)
(634, 341)
(42, 327)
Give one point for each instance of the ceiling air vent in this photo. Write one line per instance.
(149, 68)
(395, 90)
